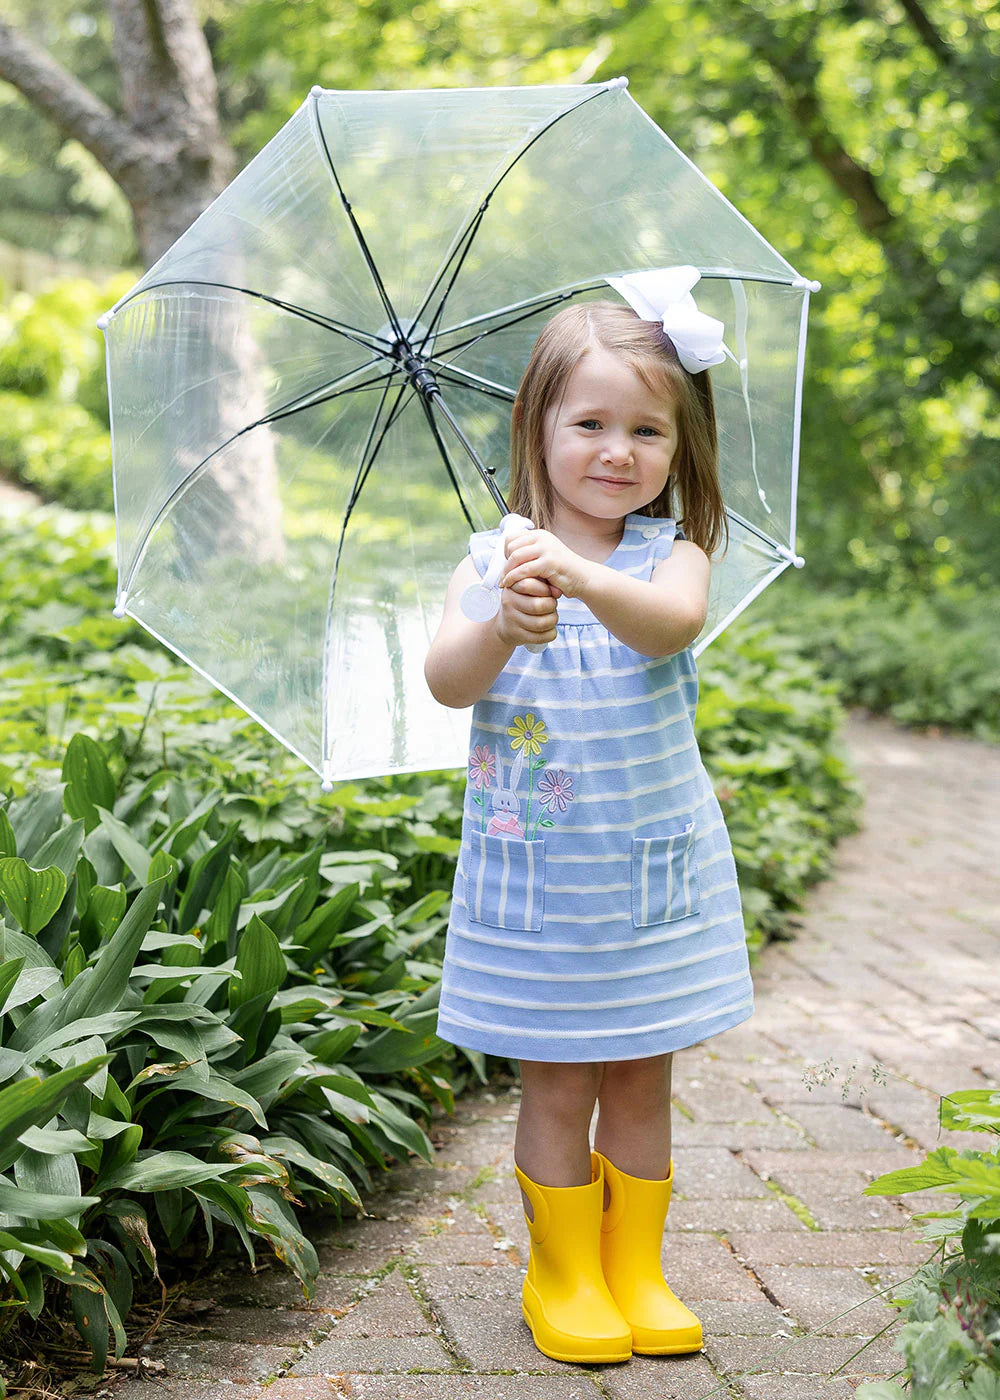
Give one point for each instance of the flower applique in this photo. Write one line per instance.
(553, 792)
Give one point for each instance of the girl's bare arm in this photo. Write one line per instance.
(658, 618)
(466, 657)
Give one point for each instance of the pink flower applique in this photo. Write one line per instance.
(482, 766)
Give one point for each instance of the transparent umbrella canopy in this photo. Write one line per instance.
(310, 390)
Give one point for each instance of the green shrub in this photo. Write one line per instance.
(950, 1341)
(192, 1040)
(53, 397)
(924, 658)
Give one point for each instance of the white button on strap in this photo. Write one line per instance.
(650, 532)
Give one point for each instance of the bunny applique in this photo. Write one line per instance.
(506, 803)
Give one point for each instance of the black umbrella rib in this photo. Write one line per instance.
(366, 252)
(535, 308)
(464, 379)
(285, 411)
(461, 249)
(362, 338)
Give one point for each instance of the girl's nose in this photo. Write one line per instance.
(616, 451)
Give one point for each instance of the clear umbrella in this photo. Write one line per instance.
(310, 390)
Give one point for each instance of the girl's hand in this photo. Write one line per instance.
(527, 613)
(538, 554)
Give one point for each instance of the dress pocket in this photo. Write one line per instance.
(505, 882)
(665, 882)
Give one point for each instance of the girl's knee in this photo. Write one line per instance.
(623, 1076)
(560, 1088)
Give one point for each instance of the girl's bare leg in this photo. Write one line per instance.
(552, 1143)
(633, 1125)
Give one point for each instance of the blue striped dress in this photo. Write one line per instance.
(595, 912)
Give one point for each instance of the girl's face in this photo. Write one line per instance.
(609, 444)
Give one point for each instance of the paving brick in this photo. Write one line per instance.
(502, 1280)
(811, 1355)
(365, 1245)
(576, 1386)
(283, 1326)
(344, 1355)
(796, 1387)
(737, 1136)
(208, 1360)
(707, 1173)
(491, 1335)
(829, 1301)
(837, 1247)
(700, 1266)
(663, 1378)
(389, 1310)
(183, 1389)
(761, 1319)
(724, 1217)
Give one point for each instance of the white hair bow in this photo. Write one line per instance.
(664, 294)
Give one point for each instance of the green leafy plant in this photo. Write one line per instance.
(193, 1040)
(950, 1340)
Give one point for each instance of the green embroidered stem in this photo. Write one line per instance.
(531, 783)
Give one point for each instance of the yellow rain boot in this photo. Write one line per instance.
(631, 1238)
(565, 1300)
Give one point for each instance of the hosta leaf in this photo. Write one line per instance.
(327, 920)
(286, 1239)
(8, 841)
(260, 961)
(88, 780)
(399, 1128)
(15, 1200)
(101, 987)
(62, 849)
(55, 1259)
(29, 1102)
(32, 896)
(54, 1142)
(32, 982)
(303, 1160)
(9, 973)
(133, 852)
(265, 1076)
(219, 1090)
(160, 1171)
(35, 818)
(132, 1220)
(104, 911)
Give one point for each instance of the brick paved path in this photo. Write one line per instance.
(778, 1126)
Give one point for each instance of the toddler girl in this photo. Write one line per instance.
(596, 924)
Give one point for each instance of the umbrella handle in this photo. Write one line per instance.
(481, 608)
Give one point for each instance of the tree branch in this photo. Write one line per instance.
(924, 26)
(77, 111)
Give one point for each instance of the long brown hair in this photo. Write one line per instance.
(692, 494)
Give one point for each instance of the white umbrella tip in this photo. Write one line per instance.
(326, 785)
(804, 284)
(119, 609)
(616, 83)
(316, 90)
(104, 320)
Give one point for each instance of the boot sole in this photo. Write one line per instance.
(652, 1346)
(562, 1347)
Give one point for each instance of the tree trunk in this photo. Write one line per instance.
(169, 156)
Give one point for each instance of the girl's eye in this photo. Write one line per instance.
(650, 431)
(589, 423)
